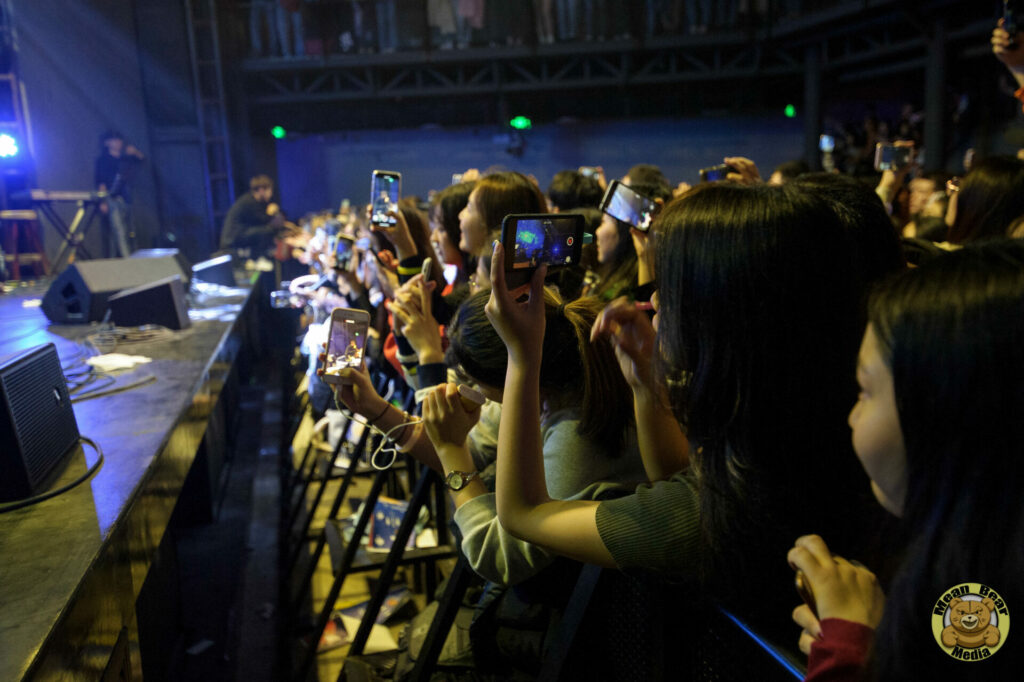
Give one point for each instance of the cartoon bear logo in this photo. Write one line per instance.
(970, 624)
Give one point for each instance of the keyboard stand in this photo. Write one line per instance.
(73, 233)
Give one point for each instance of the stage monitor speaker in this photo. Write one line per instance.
(37, 424)
(80, 293)
(219, 270)
(176, 254)
(161, 302)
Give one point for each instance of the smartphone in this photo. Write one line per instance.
(827, 144)
(715, 173)
(589, 171)
(427, 269)
(456, 178)
(803, 588)
(471, 398)
(345, 342)
(629, 206)
(343, 251)
(1010, 13)
(385, 191)
(893, 157)
(536, 239)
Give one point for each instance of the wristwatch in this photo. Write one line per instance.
(457, 480)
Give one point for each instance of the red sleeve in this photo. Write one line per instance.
(840, 654)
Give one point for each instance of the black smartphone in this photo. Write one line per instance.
(629, 206)
(532, 240)
(385, 191)
(343, 251)
(893, 157)
(346, 342)
(715, 173)
(1011, 11)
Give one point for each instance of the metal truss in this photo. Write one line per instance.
(859, 39)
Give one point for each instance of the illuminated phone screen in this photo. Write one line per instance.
(346, 344)
(626, 205)
(385, 192)
(544, 240)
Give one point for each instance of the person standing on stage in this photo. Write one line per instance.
(115, 171)
(252, 221)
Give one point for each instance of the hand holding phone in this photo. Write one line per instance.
(345, 342)
(629, 206)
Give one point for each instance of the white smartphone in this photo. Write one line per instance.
(346, 342)
(470, 397)
(427, 269)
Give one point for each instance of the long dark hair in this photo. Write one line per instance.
(760, 318)
(952, 333)
(991, 197)
(573, 373)
(500, 194)
(620, 274)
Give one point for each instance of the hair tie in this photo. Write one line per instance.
(561, 309)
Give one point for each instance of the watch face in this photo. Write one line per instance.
(457, 480)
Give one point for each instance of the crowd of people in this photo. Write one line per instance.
(751, 390)
(276, 26)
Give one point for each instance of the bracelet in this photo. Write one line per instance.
(387, 406)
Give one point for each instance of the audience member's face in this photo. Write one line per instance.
(607, 239)
(921, 189)
(474, 231)
(877, 436)
(442, 243)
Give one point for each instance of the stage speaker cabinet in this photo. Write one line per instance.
(184, 266)
(162, 302)
(219, 270)
(80, 293)
(37, 423)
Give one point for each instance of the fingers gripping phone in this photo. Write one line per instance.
(385, 191)
(629, 206)
(538, 239)
(345, 342)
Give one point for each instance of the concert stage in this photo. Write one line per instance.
(88, 579)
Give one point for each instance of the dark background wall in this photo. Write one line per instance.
(317, 171)
(79, 63)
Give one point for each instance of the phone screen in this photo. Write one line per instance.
(891, 157)
(346, 341)
(551, 239)
(827, 144)
(385, 190)
(626, 205)
(714, 173)
(343, 252)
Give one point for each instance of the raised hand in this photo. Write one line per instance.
(519, 324)
(445, 417)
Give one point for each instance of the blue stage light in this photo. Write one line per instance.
(8, 146)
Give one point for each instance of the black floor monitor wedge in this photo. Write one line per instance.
(37, 423)
(219, 270)
(162, 302)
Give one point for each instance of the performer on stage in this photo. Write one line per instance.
(253, 221)
(115, 171)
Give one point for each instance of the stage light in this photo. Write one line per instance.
(278, 132)
(521, 123)
(790, 111)
(8, 146)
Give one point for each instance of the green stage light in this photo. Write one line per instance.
(278, 132)
(521, 123)
(790, 111)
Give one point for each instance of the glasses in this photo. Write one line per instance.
(952, 186)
